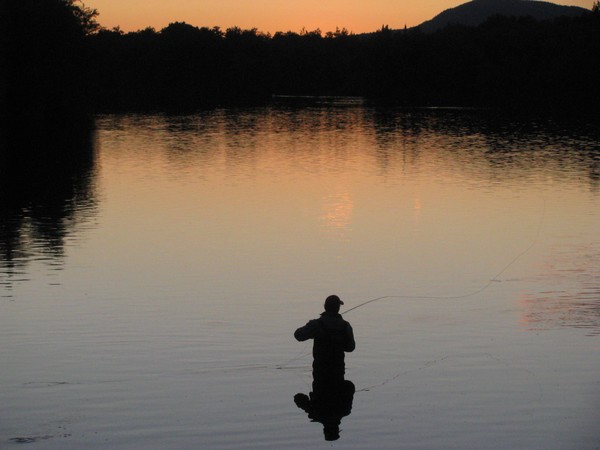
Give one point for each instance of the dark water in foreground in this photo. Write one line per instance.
(149, 288)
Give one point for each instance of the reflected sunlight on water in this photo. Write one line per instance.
(337, 213)
(569, 290)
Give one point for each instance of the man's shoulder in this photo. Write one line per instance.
(312, 323)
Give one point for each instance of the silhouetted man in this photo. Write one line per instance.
(331, 397)
(333, 336)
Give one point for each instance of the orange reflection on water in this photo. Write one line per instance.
(337, 212)
(570, 295)
(417, 207)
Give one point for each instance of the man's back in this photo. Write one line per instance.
(333, 336)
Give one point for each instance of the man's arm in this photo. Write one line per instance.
(306, 332)
(350, 345)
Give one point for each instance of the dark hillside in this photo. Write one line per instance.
(476, 12)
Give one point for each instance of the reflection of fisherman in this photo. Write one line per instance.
(331, 398)
(328, 406)
(332, 337)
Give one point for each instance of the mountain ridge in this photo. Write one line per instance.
(476, 12)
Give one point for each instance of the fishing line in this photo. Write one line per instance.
(398, 375)
(434, 362)
(471, 294)
(300, 355)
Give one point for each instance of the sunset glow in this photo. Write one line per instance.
(358, 16)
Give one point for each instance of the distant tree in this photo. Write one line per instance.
(233, 32)
(596, 7)
(45, 52)
(384, 32)
(316, 33)
(86, 16)
(181, 29)
(338, 33)
(148, 31)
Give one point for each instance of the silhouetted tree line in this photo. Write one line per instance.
(185, 66)
(506, 61)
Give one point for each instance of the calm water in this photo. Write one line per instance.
(149, 287)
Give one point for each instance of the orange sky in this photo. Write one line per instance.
(357, 16)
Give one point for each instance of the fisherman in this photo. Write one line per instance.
(333, 336)
(331, 397)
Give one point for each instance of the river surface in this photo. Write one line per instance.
(150, 287)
